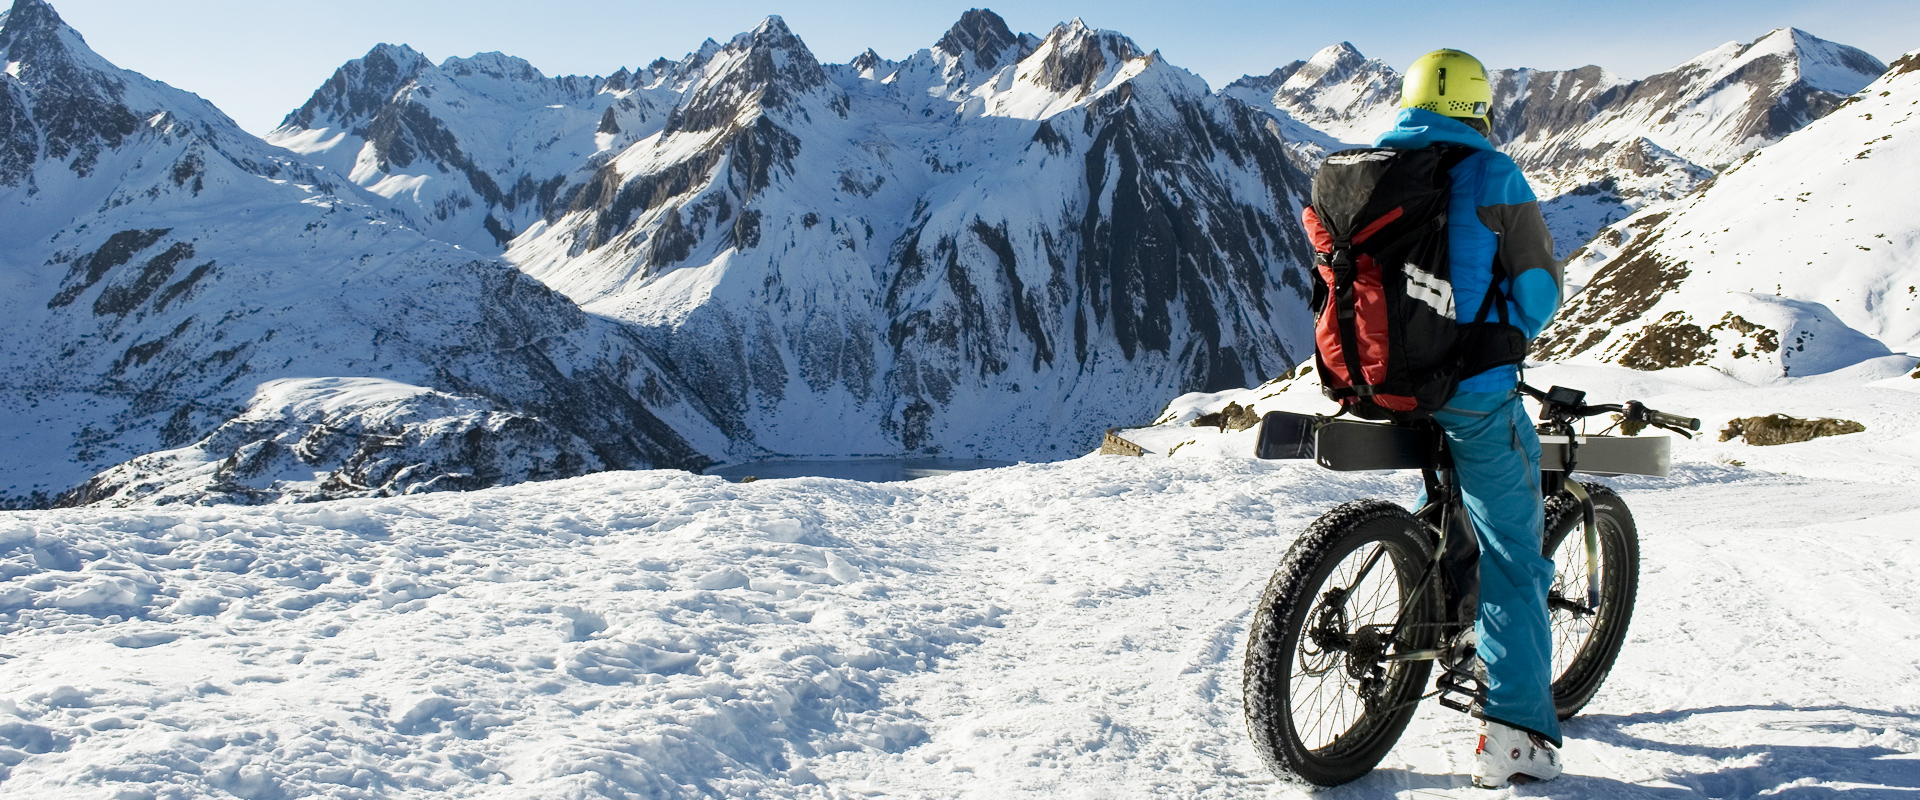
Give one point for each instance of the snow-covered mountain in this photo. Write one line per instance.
(1336, 100)
(160, 269)
(1596, 147)
(1798, 260)
(474, 149)
(997, 246)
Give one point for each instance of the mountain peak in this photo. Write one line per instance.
(768, 66)
(1342, 53)
(1333, 64)
(28, 15)
(773, 30)
(980, 32)
(621, 80)
(866, 60)
(34, 35)
(1078, 55)
(361, 87)
(497, 65)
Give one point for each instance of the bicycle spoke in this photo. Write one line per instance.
(1328, 704)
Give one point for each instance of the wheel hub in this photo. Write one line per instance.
(1365, 648)
(1329, 631)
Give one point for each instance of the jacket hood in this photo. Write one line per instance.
(1418, 127)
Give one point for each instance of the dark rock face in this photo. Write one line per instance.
(78, 111)
(1153, 257)
(1671, 341)
(402, 133)
(867, 60)
(1080, 55)
(979, 32)
(1781, 429)
(90, 268)
(19, 137)
(1533, 104)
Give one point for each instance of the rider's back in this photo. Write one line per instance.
(1494, 229)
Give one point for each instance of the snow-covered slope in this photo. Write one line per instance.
(1596, 148)
(1044, 630)
(1799, 260)
(157, 264)
(997, 247)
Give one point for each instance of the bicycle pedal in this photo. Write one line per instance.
(1461, 680)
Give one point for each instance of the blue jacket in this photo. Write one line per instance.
(1506, 221)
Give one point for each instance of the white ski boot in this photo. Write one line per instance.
(1508, 754)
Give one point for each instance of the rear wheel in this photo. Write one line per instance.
(1586, 642)
(1322, 701)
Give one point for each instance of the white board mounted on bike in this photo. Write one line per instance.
(1609, 455)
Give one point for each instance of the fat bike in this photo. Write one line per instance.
(1373, 596)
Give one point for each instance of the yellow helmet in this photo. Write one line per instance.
(1448, 82)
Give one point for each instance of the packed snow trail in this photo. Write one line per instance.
(1059, 630)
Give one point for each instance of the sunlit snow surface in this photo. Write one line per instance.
(1069, 629)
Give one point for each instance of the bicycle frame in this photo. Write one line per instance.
(1444, 518)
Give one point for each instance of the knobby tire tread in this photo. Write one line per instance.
(1280, 620)
(1575, 686)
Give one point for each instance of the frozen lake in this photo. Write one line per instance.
(876, 470)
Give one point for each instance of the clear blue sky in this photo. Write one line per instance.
(259, 60)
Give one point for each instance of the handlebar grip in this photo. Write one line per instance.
(1664, 419)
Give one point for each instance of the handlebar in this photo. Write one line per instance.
(1668, 421)
(1560, 404)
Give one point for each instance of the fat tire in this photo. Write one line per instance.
(1586, 669)
(1291, 598)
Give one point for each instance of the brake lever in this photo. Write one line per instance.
(1675, 429)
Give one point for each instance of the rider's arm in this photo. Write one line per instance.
(1508, 208)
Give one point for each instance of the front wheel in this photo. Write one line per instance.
(1322, 700)
(1586, 641)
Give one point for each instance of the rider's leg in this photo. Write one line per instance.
(1496, 455)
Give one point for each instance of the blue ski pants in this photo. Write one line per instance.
(1496, 456)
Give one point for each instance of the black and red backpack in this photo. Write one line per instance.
(1386, 341)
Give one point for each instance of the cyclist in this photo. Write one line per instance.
(1498, 240)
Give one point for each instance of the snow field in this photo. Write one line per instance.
(682, 641)
(1071, 629)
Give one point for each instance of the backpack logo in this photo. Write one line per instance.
(1350, 157)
